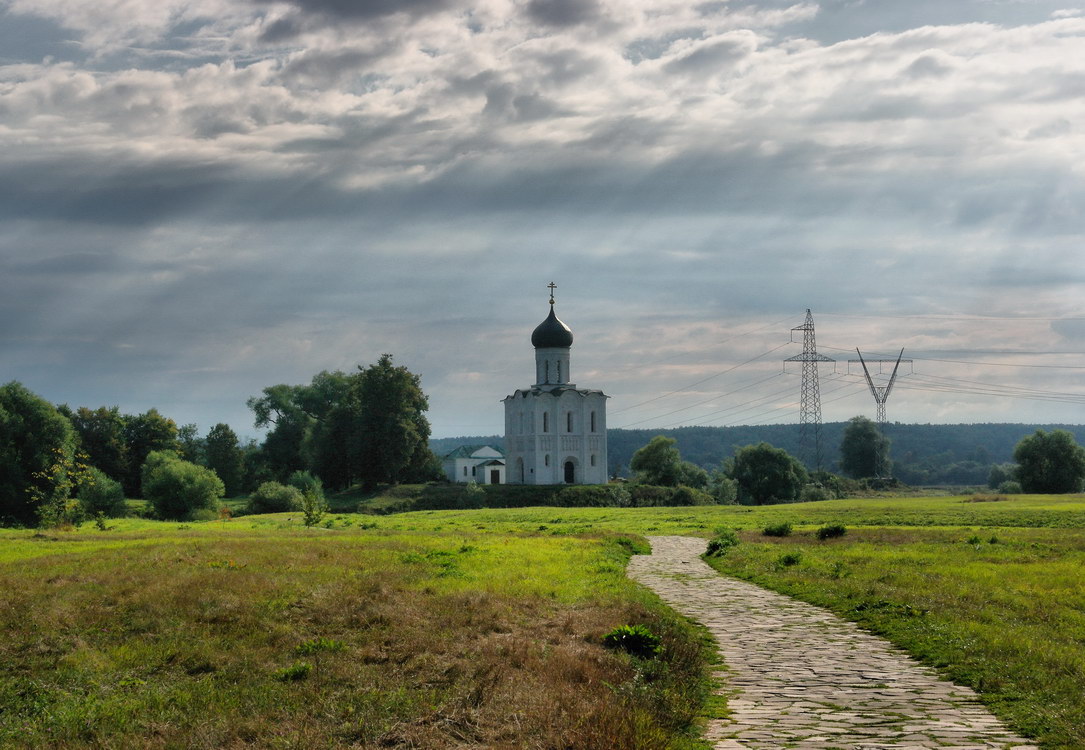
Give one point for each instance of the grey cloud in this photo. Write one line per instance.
(563, 12)
(326, 69)
(712, 56)
(316, 14)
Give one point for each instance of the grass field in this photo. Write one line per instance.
(260, 633)
(470, 626)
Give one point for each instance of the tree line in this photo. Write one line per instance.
(364, 427)
(759, 474)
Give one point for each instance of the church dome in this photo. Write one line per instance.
(552, 333)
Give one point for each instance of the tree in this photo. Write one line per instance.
(658, 463)
(144, 434)
(193, 447)
(176, 488)
(1050, 463)
(101, 494)
(767, 475)
(223, 451)
(33, 434)
(864, 451)
(101, 438)
(392, 432)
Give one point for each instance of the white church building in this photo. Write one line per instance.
(555, 433)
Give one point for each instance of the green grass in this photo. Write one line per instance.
(257, 632)
(1006, 618)
(97, 644)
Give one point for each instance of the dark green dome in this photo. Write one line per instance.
(552, 333)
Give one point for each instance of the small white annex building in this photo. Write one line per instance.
(555, 433)
(483, 464)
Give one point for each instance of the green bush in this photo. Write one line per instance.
(779, 529)
(724, 540)
(272, 497)
(637, 640)
(1010, 487)
(593, 496)
(313, 505)
(649, 496)
(683, 495)
(101, 494)
(832, 531)
(303, 480)
(789, 559)
(814, 493)
(177, 489)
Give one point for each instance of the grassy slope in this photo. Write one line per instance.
(167, 635)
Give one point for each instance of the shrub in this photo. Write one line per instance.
(832, 531)
(313, 505)
(637, 640)
(780, 529)
(789, 559)
(1010, 487)
(724, 540)
(683, 495)
(303, 480)
(593, 496)
(813, 493)
(649, 496)
(272, 497)
(723, 488)
(177, 489)
(101, 494)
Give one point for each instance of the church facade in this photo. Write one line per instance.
(555, 433)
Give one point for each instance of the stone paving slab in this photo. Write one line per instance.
(800, 677)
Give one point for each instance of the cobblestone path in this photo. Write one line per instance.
(801, 677)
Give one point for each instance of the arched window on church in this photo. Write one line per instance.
(568, 421)
(546, 369)
(593, 421)
(546, 460)
(559, 371)
(546, 421)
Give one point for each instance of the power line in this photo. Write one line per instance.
(704, 380)
(700, 403)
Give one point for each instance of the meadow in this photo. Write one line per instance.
(483, 627)
(258, 632)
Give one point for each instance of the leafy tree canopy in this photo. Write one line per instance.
(176, 488)
(33, 434)
(1050, 462)
(767, 475)
(864, 450)
(224, 457)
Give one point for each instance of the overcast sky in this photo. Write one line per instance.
(201, 198)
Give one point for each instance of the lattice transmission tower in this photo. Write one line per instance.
(880, 392)
(810, 395)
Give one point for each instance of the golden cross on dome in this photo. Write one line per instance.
(552, 287)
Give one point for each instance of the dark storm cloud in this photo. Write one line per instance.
(316, 14)
(562, 12)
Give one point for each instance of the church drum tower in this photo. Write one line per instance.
(555, 433)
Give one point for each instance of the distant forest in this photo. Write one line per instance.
(922, 454)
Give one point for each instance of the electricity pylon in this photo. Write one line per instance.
(881, 392)
(810, 395)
